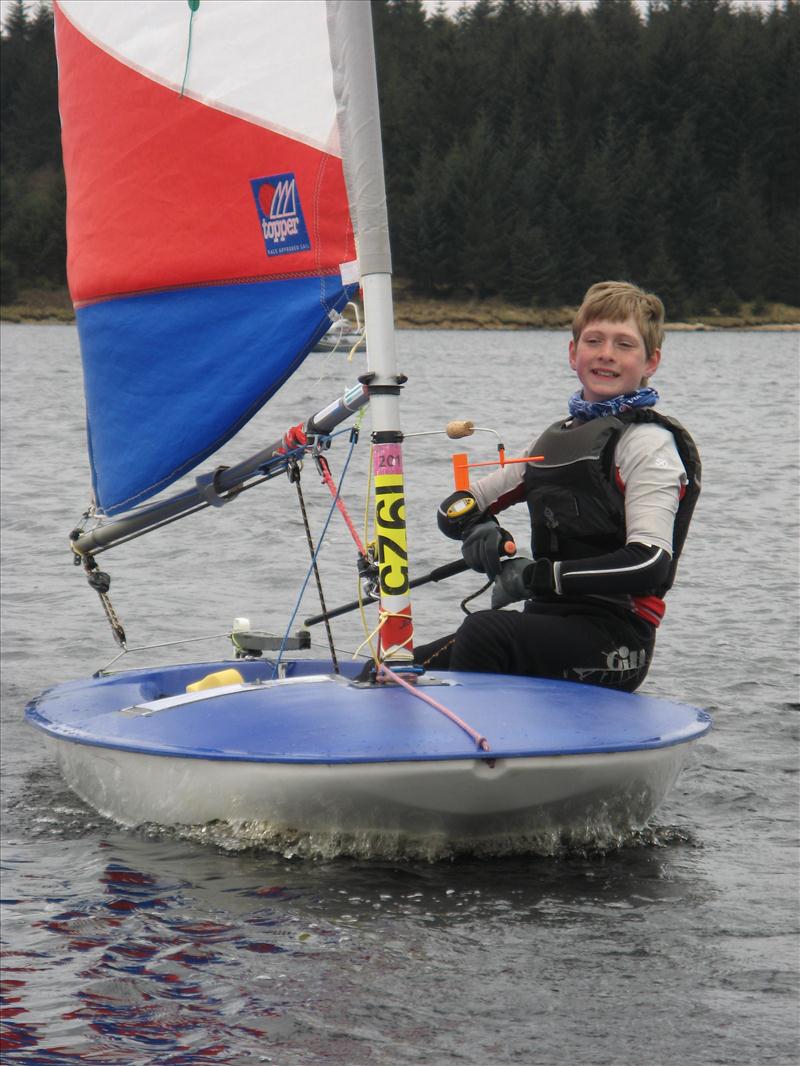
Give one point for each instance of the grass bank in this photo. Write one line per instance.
(412, 312)
(39, 305)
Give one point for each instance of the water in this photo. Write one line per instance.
(146, 946)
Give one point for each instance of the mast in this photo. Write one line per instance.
(356, 90)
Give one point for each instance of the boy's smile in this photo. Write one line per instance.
(610, 358)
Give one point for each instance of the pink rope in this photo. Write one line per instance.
(481, 741)
(326, 477)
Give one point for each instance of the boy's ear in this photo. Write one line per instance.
(652, 363)
(572, 354)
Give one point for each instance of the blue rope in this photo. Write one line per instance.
(316, 553)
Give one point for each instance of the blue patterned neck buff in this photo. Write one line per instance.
(580, 408)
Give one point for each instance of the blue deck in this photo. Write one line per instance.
(332, 721)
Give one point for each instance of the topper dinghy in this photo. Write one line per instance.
(195, 299)
(314, 751)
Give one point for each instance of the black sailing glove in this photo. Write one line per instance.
(483, 540)
(483, 546)
(521, 578)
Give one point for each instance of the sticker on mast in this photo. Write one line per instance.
(390, 529)
(280, 214)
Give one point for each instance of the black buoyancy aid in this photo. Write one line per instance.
(577, 504)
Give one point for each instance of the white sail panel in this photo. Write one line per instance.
(281, 79)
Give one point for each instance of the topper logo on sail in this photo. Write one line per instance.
(280, 214)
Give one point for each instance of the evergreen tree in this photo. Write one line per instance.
(15, 57)
(475, 208)
(661, 277)
(641, 222)
(36, 105)
(781, 165)
(598, 202)
(747, 238)
(421, 247)
(783, 273)
(401, 42)
(692, 213)
(33, 244)
(530, 280)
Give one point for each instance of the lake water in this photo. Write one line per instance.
(146, 946)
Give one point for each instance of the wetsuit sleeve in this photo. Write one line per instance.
(635, 569)
(653, 477)
(502, 488)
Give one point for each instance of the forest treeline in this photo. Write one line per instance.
(531, 147)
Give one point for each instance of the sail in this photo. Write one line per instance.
(208, 226)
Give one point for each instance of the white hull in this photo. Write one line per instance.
(456, 799)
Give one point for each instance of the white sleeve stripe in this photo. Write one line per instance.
(618, 570)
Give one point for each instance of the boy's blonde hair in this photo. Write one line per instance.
(615, 301)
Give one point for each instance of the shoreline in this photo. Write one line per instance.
(54, 308)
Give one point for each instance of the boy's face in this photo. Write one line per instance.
(610, 358)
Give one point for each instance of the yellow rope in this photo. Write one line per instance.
(384, 617)
(364, 625)
(362, 338)
(374, 633)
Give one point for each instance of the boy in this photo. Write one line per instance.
(610, 507)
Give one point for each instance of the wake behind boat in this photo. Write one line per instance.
(184, 348)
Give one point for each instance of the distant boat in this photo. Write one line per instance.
(344, 334)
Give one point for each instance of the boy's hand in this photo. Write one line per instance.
(483, 546)
(512, 583)
(521, 578)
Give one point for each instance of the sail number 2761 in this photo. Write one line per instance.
(390, 531)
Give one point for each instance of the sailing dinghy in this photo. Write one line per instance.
(225, 202)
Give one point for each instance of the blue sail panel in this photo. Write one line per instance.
(160, 399)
